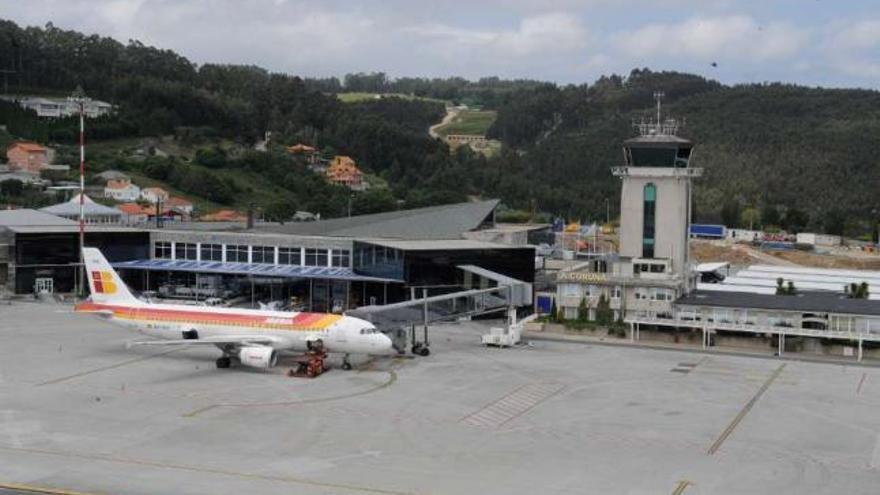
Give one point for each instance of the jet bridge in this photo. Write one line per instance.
(483, 292)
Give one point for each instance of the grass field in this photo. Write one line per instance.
(469, 122)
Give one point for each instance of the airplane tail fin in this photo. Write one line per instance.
(105, 284)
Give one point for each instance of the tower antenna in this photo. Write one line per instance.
(658, 96)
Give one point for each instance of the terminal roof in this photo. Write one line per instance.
(806, 302)
(26, 217)
(440, 245)
(435, 222)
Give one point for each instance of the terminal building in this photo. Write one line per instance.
(330, 265)
(651, 282)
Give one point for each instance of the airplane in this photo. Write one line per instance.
(251, 337)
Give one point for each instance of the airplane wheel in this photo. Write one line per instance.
(224, 362)
(424, 351)
(346, 365)
(417, 349)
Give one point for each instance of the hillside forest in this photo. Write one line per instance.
(775, 155)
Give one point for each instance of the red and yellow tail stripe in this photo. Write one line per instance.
(300, 322)
(103, 281)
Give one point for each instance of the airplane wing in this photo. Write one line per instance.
(234, 340)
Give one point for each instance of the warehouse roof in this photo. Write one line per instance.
(435, 222)
(808, 302)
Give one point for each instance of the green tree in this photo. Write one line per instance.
(750, 218)
(604, 314)
(770, 215)
(11, 187)
(280, 210)
(795, 220)
(731, 213)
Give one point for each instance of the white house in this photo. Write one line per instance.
(60, 107)
(154, 195)
(122, 190)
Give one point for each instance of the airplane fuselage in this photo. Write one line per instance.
(287, 330)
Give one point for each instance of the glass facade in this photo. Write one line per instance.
(162, 250)
(316, 257)
(185, 251)
(649, 210)
(236, 253)
(263, 254)
(341, 257)
(211, 252)
(289, 256)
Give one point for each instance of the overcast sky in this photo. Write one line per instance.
(813, 42)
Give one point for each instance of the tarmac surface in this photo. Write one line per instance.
(81, 413)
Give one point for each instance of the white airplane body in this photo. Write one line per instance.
(252, 336)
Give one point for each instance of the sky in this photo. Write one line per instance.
(812, 42)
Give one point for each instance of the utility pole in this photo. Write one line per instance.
(79, 98)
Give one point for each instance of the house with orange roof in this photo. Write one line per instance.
(343, 171)
(122, 190)
(309, 152)
(154, 195)
(134, 213)
(225, 216)
(26, 156)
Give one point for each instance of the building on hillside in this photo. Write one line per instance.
(108, 175)
(344, 172)
(476, 141)
(27, 157)
(181, 205)
(133, 213)
(54, 108)
(225, 216)
(154, 195)
(25, 178)
(122, 190)
(94, 213)
(308, 152)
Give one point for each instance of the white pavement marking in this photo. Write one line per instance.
(512, 405)
(875, 457)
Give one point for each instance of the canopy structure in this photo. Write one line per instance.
(255, 269)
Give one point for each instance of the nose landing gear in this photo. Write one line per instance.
(346, 365)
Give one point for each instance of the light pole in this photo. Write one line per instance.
(607, 211)
(79, 99)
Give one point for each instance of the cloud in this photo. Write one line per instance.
(857, 35)
(736, 37)
(541, 34)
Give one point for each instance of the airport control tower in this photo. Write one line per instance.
(655, 200)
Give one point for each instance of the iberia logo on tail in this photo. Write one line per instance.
(104, 283)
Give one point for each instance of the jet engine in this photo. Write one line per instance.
(258, 357)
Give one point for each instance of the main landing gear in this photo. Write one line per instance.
(420, 349)
(224, 362)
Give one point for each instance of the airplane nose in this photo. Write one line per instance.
(385, 343)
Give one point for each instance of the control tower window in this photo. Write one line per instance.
(648, 220)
